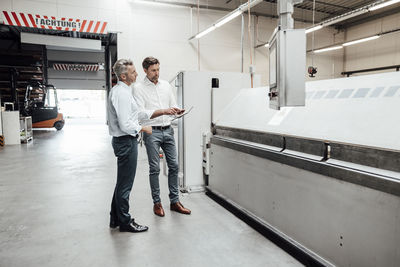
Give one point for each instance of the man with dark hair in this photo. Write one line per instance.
(153, 93)
(123, 122)
(148, 61)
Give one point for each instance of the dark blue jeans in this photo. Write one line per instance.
(125, 149)
(164, 139)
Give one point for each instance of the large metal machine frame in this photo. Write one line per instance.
(324, 178)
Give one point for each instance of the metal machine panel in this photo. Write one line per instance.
(357, 110)
(344, 223)
(194, 88)
(333, 186)
(287, 60)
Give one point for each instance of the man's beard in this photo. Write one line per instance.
(154, 79)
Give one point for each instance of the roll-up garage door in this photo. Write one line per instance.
(76, 70)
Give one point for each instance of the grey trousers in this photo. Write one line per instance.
(165, 140)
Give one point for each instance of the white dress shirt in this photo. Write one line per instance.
(150, 96)
(123, 112)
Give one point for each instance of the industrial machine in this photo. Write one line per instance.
(208, 93)
(323, 179)
(41, 104)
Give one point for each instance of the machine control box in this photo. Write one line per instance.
(287, 61)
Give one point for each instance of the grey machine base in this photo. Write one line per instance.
(303, 256)
(329, 207)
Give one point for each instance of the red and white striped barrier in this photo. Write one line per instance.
(53, 23)
(76, 67)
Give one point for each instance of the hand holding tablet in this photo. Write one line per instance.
(178, 116)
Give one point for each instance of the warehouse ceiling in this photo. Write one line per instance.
(324, 9)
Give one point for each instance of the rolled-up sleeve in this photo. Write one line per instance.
(127, 116)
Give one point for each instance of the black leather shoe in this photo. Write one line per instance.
(133, 227)
(114, 224)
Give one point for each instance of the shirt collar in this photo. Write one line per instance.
(123, 84)
(147, 81)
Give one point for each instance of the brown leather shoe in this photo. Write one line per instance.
(158, 209)
(178, 207)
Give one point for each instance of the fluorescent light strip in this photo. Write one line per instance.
(201, 34)
(347, 44)
(228, 18)
(336, 20)
(313, 29)
(384, 4)
(147, 2)
(328, 49)
(361, 40)
(351, 14)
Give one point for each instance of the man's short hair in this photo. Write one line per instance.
(121, 66)
(148, 61)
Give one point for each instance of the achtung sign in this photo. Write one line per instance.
(57, 23)
(53, 23)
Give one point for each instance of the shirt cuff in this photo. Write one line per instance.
(138, 129)
(149, 113)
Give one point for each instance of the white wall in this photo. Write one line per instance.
(163, 31)
(329, 65)
(384, 51)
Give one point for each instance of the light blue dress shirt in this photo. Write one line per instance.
(124, 116)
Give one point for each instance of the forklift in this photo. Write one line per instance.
(41, 104)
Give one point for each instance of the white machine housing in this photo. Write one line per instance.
(194, 89)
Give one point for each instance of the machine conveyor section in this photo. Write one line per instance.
(375, 178)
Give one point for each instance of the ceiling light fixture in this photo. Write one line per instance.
(361, 40)
(201, 34)
(328, 49)
(384, 4)
(230, 16)
(338, 46)
(313, 29)
(351, 14)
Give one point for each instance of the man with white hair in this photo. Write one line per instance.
(123, 122)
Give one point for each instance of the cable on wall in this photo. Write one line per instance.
(198, 29)
(251, 45)
(313, 33)
(311, 69)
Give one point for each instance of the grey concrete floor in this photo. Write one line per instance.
(55, 195)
